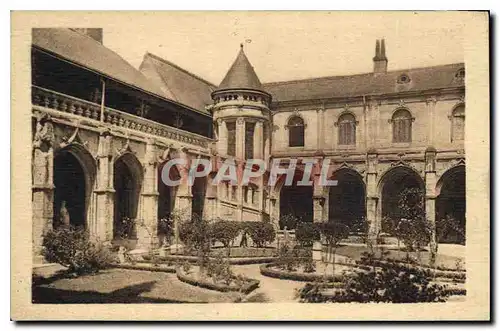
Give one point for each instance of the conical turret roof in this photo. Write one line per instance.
(241, 75)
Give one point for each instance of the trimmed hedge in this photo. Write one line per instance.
(455, 275)
(169, 269)
(269, 271)
(232, 260)
(251, 284)
(246, 251)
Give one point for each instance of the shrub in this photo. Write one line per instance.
(195, 233)
(289, 221)
(307, 233)
(72, 248)
(261, 233)
(220, 270)
(288, 258)
(225, 232)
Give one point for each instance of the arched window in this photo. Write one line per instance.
(347, 129)
(401, 126)
(458, 123)
(231, 138)
(295, 132)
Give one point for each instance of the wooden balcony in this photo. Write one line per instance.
(67, 104)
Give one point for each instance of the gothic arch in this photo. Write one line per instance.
(74, 178)
(451, 202)
(347, 200)
(391, 184)
(128, 176)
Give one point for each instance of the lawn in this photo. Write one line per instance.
(125, 286)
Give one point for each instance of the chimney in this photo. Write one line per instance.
(380, 60)
(94, 33)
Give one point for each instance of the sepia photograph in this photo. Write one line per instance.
(317, 159)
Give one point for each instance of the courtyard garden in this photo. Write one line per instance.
(226, 261)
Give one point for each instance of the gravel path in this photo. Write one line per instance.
(270, 289)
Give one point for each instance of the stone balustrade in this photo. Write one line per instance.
(68, 104)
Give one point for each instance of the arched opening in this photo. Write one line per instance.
(392, 184)
(450, 202)
(72, 188)
(346, 202)
(295, 202)
(166, 203)
(198, 191)
(127, 183)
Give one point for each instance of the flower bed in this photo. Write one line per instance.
(248, 286)
(271, 270)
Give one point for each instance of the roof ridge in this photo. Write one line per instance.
(156, 57)
(354, 75)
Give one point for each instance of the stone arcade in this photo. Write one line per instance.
(102, 130)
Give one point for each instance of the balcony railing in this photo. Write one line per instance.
(68, 104)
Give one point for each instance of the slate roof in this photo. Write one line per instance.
(436, 77)
(87, 52)
(241, 75)
(176, 83)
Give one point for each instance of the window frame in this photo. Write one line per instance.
(341, 125)
(296, 132)
(396, 126)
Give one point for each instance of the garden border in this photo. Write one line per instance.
(246, 289)
(301, 277)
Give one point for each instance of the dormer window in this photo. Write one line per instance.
(460, 74)
(404, 79)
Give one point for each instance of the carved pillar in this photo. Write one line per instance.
(148, 227)
(240, 138)
(258, 140)
(222, 141)
(373, 218)
(104, 193)
(43, 187)
(430, 197)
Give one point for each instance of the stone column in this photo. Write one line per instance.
(240, 138)
(372, 198)
(104, 193)
(267, 143)
(210, 210)
(147, 227)
(43, 187)
(258, 140)
(319, 207)
(222, 141)
(430, 197)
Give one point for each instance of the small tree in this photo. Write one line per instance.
(195, 233)
(261, 233)
(289, 221)
(225, 232)
(333, 233)
(411, 226)
(306, 233)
